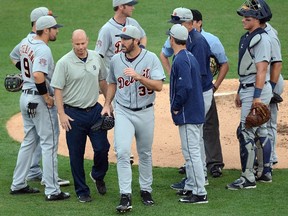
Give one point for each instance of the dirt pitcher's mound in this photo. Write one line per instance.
(166, 146)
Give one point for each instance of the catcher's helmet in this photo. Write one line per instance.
(258, 9)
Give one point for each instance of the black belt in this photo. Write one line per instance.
(88, 109)
(30, 91)
(246, 85)
(137, 109)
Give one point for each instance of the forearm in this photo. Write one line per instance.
(155, 85)
(275, 71)
(224, 68)
(165, 62)
(59, 100)
(111, 90)
(103, 87)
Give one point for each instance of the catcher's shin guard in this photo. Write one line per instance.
(247, 153)
(263, 155)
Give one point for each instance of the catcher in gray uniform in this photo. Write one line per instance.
(253, 69)
(135, 75)
(38, 111)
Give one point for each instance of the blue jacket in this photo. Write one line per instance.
(186, 90)
(199, 47)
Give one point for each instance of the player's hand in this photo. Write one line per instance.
(49, 101)
(238, 101)
(131, 73)
(107, 110)
(65, 121)
(256, 100)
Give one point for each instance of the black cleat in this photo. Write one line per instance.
(25, 190)
(125, 203)
(60, 196)
(146, 198)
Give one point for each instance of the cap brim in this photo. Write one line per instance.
(175, 21)
(168, 32)
(57, 26)
(124, 36)
(132, 3)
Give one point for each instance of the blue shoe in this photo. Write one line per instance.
(179, 185)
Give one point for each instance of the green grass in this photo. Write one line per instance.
(221, 19)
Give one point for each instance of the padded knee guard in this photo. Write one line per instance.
(247, 153)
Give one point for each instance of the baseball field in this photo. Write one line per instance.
(220, 18)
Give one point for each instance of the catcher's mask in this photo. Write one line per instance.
(258, 9)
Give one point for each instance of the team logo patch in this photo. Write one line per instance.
(99, 43)
(43, 62)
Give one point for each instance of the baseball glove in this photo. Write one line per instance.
(276, 98)
(13, 82)
(214, 65)
(258, 115)
(104, 123)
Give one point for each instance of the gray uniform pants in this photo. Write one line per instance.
(130, 124)
(44, 127)
(190, 135)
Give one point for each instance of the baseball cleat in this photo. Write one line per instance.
(25, 190)
(60, 196)
(125, 203)
(241, 183)
(146, 198)
(100, 185)
(194, 199)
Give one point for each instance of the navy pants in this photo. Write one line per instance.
(76, 141)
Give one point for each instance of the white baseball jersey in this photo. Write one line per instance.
(35, 56)
(107, 44)
(131, 93)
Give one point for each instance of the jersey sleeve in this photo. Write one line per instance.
(218, 51)
(15, 53)
(103, 41)
(157, 72)
(276, 50)
(167, 49)
(58, 78)
(262, 51)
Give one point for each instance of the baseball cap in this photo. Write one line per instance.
(39, 12)
(197, 16)
(179, 32)
(181, 15)
(124, 2)
(46, 22)
(130, 32)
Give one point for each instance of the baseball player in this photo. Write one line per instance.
(35, 172)
(199, 47)
(135, 75)
(277, 84)
(38, 111)
(253, 70)
(107, 44)
(77, 79)
(187, 109)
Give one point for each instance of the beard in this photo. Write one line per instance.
(128, 49)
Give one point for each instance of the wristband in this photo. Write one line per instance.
(41, 87)
(273, 84)
(257, 93)
(18, 65)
